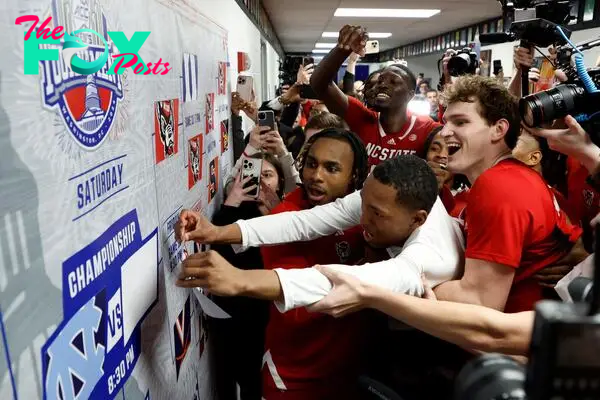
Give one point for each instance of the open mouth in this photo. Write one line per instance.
(383, 96)
(453, 148)
(315, 194)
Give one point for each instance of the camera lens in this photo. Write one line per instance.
(491, 377)
(459, 64)
(261, 115)
(546, 106)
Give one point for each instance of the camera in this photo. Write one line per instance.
(564, 355)
(533, 22)
(578, 96)
(464, 62)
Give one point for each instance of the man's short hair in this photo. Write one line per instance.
(430, 90)
(493, 100)
(412, 79)
(415, 182)
(326, 120)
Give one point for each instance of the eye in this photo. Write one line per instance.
(332, 169)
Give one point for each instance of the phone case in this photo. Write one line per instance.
(372, 47)
(244, 87)
(266, 118)
(252, 167)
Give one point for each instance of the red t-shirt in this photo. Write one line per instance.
(583, 199)
(512, 218)
(454, 203)
(381, 146)
(315, 355)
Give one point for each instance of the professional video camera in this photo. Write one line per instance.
(578, 96)
(534, 23)
(464, 62)
(564, 357)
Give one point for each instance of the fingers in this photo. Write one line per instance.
(192, 283)
(249, 189)
(187, 222)
(428, 293)
(329, 273)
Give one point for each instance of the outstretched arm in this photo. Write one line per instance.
(274, 229)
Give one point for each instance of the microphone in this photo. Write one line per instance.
(580, 289)
(496, 37)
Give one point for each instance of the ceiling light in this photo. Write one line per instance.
(320, 51)
(372, 35)
(384, 13)
(325, 45)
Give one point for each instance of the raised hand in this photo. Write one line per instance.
(353, 38)
(238, 194)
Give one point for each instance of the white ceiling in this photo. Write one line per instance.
(300, 23)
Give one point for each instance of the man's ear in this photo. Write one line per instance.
(419, 219)
(535, 157)
(501, 129)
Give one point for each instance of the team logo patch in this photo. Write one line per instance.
(343, 251)
(87, 104)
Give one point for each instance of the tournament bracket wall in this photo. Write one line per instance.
(94, 170)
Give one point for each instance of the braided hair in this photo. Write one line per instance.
(360, 165)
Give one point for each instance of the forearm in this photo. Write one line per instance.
(514, 87)
(290, 173)
(469, 326)
(348, 80)
(327, 69)
(457, 291)
(228, 234)
(303, 225)
(261, 284)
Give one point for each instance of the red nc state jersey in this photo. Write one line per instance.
(311, 352)
(381, 146)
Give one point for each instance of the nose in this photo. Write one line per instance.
(446, 132)
(317, 175)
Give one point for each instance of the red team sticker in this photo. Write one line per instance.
(213, 179)
(210, 112)
(195, 161)
(224, 135)
(222, 78)
(166, 128)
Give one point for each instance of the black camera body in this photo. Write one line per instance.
(565, 352)
(464, 62)
(534, 21)
(564, 361)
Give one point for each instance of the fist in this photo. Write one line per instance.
(353, 38)
(194, 226)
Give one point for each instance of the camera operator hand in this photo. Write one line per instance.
(353, 38)
(572, 141)
(523, 57)
(237, 103)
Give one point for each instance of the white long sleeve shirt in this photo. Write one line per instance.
(435, 249)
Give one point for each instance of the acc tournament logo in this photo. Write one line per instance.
(87, 104)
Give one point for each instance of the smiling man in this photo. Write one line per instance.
(390, 129)
(514, 226)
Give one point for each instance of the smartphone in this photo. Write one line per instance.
(252, 167)
(245, 86)
(267, 118)
(307, 92)
(497, 66)
(372, 47)
(307, 61)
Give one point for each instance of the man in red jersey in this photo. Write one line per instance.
(389, 130)
(514, 226)
(309, 355)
